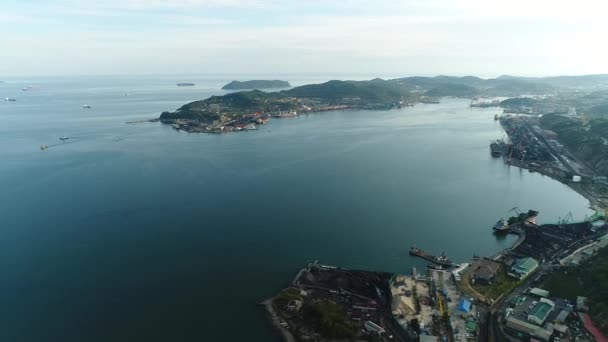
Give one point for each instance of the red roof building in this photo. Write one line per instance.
(599, 336)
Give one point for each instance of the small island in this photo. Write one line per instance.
(256, 84)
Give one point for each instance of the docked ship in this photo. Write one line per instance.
(185, 84)
(438, 267)
(496, 148)
(501, 226)
(442, 259)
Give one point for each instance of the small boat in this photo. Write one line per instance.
(43, 147)
(30, 87)
(10, 99)
(64, 138)
(86, 106)
(185, 84)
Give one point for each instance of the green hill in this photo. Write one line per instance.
(376, 90)
(256, 84)
(586, 141)
(590, 279)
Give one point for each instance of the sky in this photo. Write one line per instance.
(377, 37)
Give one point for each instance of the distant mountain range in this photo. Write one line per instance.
(381, 94)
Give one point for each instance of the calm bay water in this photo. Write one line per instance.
(134, 232)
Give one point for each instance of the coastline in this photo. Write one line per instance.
(594, 203)
(286, 334)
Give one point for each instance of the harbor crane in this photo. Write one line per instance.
(566, 219)
(515, 210)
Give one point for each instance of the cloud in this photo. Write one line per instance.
(190, 20)
(468, 36)
(172, 4)
(14, 18)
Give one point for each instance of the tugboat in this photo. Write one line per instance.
(442, 260)
(64, 138)
(10, 99)
(86, 106)
(43, 147)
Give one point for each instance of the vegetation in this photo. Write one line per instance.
(256, 84)
(590, 279)
(233, 105)
(588, 141)
(518, 102)
(335, 92)
(451, 89)
(502, 284)
(330, 319)
(280, 302)
(521, 217)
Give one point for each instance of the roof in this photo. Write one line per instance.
(528, 328)
(599, 337)
(464, 305)
(485, 272)
(581, 302)
(539, 292)
(526, 264)
(562, 316)
(541, 310)
(471, 325)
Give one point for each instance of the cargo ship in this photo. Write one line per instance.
(496, 148)
(501, 226)
(185, 84)
(439, 260)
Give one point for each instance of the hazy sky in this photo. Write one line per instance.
(479, 37)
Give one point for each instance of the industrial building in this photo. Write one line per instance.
(541, 311)
(486, 273)
(539, 292)
(373, 327)
(523, 267)
(525, 329)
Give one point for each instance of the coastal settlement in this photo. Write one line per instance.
(531, 291)
(496, 298)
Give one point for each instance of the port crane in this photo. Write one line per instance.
(566, 219)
